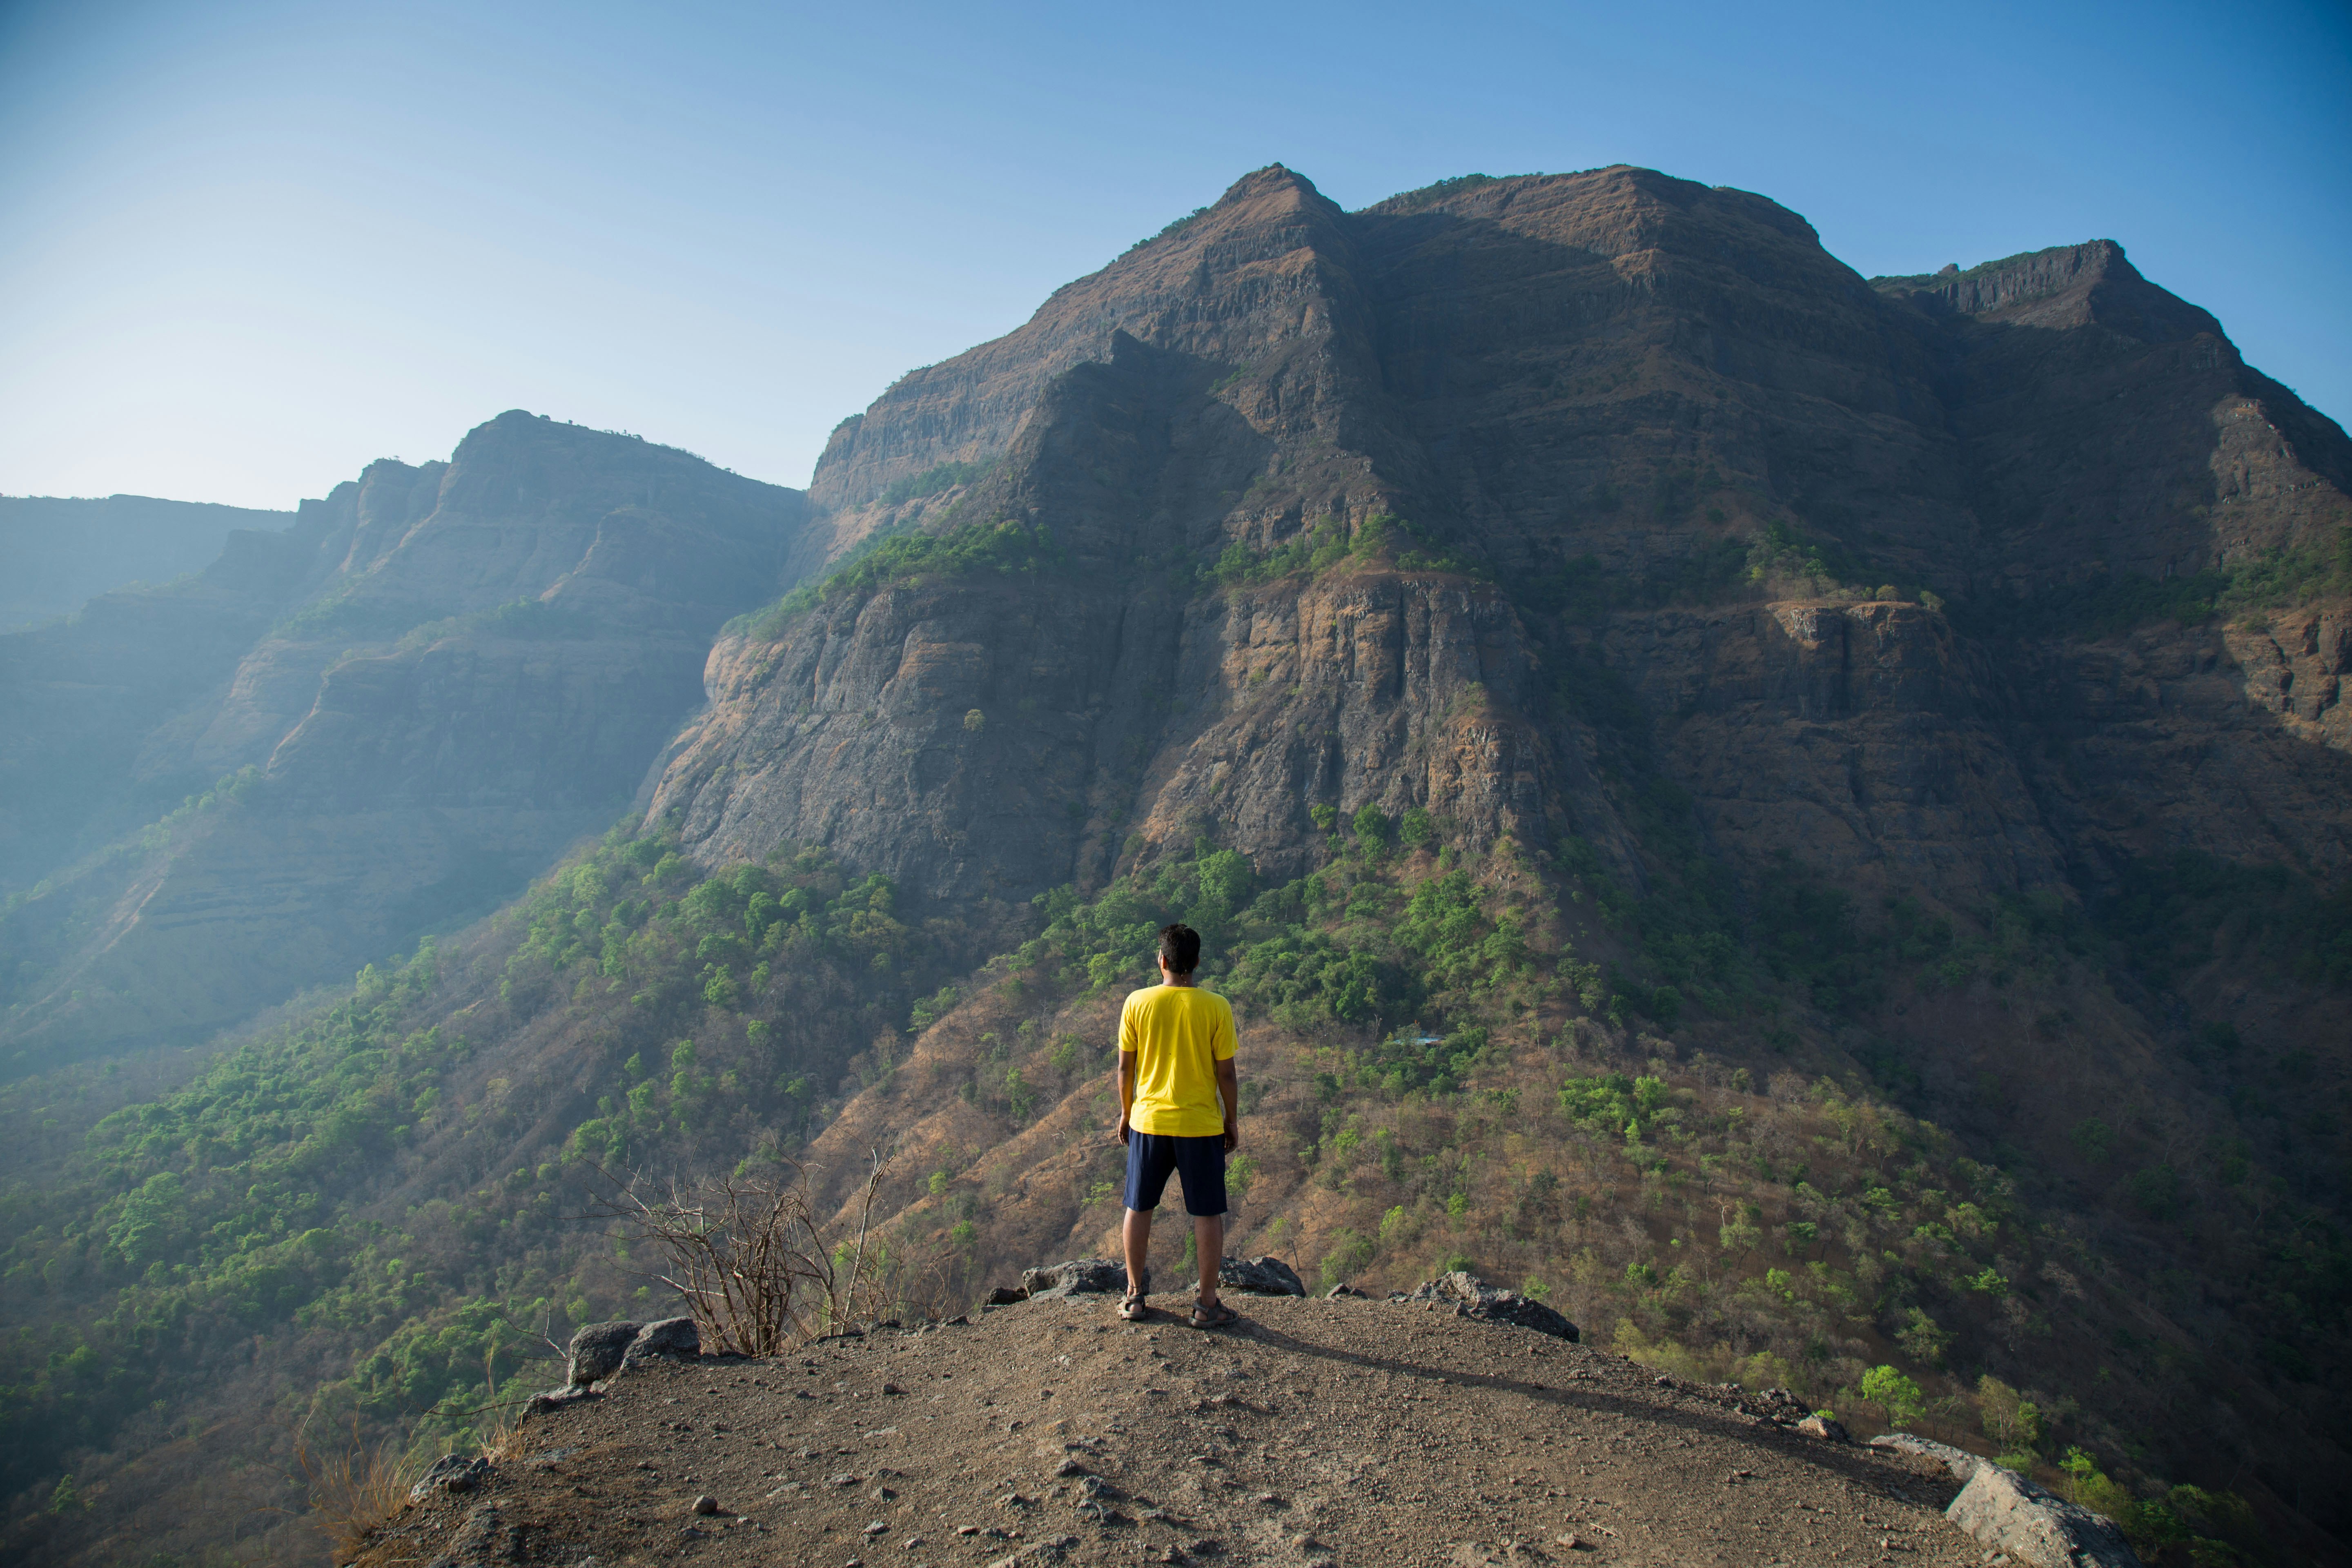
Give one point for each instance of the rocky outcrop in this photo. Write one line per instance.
(1959, 1461)
(450, 1473)
(1259, 1276)
(2009, 1514)
(2066, 285)
(1078, 1277)
(1470, 1297)
(596, 1351)
(1857, 736)
(671, 1339)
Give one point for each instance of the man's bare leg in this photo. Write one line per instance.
(1136, 1233)
(1209, 1241)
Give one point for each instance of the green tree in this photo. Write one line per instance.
(1923, 1339)
(1883, 1385)
(2013, 1423)
(2093, 1140)
(1350, 1254)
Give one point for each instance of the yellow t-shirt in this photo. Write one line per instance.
(1177, 1034)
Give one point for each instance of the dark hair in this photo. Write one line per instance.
(1179, 948)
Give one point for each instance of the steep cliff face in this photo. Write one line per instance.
(471, 664)
(1857, 736)
(1619, 413)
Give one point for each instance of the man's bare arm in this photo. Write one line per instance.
(1126, 1090)
(1229, 1088)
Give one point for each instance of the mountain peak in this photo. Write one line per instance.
(2064, 286)
(1274, 179)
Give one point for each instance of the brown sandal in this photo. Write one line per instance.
(1134, 1307)
(1214, 1316)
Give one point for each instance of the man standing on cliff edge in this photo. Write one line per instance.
(1175, 1066)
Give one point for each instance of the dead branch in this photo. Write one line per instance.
(754, 1263)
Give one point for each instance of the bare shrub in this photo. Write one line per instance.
(356, 1490)
(758, 1269)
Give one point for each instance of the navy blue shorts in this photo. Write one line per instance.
(1198, 1162)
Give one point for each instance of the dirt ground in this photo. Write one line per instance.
(1310, 1432)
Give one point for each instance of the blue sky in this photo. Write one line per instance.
(247, 248)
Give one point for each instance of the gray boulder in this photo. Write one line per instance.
(672, 1339)
(1471, 1296)
(1259, 1276)
(596, 1351)
(451, 1473)
(1076, 1276)
(1959, 1461)
(557, 1398)
(2006, 1512)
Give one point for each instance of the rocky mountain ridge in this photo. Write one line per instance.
(1667, 381)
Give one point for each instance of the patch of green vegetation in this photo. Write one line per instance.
(963, 549)
(932, 480)
(701, 1021)
(1611, 1102)
(1371, 942)
(2277, 580)
(1325, 546)
(1782, 552)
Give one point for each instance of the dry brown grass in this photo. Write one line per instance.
(356, 1489)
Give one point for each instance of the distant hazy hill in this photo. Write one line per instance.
(414, 698)
(58, 552)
